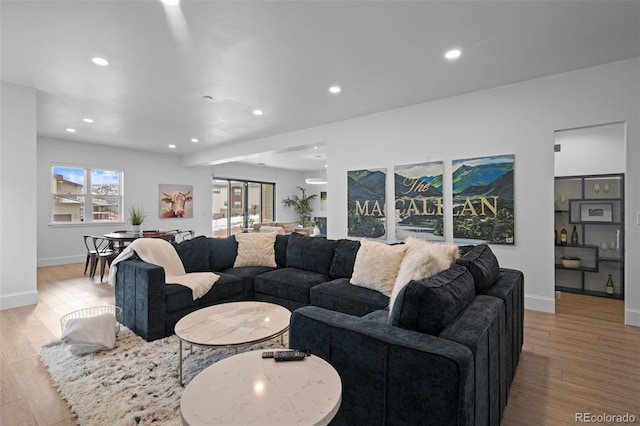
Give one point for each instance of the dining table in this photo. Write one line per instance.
(119, 240)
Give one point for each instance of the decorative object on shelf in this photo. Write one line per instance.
(136, 217)
(596, 187)
(609, 285)
(563, 236)
(574, 236)
(606, 187)
(596, 212)
(301, 205)
(570, 262)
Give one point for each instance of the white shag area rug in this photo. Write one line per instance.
(135, 383)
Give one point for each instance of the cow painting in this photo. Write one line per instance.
(175, 203)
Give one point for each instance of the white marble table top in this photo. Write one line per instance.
(233, 324)
(247, 390)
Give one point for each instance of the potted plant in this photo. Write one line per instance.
(302, 205)
(316, 226)
(136, 217)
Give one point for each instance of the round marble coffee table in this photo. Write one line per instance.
(231, 325)
(246, 389)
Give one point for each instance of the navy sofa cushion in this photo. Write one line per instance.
(430, 304)
(282, 241)
(312, 254)
(288, 283)
(222, 253)
(483, 265)
(247, 275)
(194, 254)
(341, 296)
(344, 258)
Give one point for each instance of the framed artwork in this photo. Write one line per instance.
(366, 203)
(418, 201)
(176, 201)
(483, 201)
(323, 200)
(596, 212)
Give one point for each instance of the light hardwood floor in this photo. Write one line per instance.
(580, 360)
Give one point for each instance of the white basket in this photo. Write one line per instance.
(92, 312)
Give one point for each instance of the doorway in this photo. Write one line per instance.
(589, 221)
(238, 204)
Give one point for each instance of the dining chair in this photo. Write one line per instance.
(105, 253)
(91, 255)
(182, 235)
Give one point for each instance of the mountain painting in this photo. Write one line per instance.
(366, 203)
(418, 201)
(483, 200)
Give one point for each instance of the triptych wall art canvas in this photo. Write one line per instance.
(418, 201)
(366, 203)
(483, 201)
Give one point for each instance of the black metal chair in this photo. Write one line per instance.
(105, 253)
(91, 255)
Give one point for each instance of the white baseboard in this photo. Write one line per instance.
(63, 260)
(539, 303)
(632, 317)
(14, 300)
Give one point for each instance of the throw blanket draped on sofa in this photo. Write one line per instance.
(161, 253)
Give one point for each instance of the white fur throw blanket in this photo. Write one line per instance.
(161, 253)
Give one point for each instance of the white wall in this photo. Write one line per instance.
(591, 150)
(143, 173)
(18, 284)
(520, 119)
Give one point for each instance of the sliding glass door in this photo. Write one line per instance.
(238, 204)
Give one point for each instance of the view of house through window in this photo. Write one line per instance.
(86, 195)
(237, 205)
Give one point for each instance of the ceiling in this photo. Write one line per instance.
(281, 58)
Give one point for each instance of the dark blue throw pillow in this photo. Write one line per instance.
(344, 258)
(222, 253)
(310, 253)
(483, 265)
(194, 254)
(430, 304)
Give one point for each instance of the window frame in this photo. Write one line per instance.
(87, 196)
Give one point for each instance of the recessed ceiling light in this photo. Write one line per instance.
(257, 112)
(172, 146)
(453, 54)
(195, 140)
(100, 61)
(70, 130)
(171, 2)
(335, 89)
(88, 120)
(208, 98)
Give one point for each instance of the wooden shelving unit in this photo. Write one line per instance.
(594, 205)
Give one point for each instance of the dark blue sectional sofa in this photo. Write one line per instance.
(445, 354)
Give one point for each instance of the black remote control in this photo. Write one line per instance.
(267, 354)
(289, 356)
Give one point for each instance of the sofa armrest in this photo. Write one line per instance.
(389, 375)
(140, 293)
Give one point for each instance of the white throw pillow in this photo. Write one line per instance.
(376, 266)
(422, 259)
(256, 249)
(92, 334)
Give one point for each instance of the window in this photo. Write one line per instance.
(86, 195)
(238, 205)
(237, 191)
